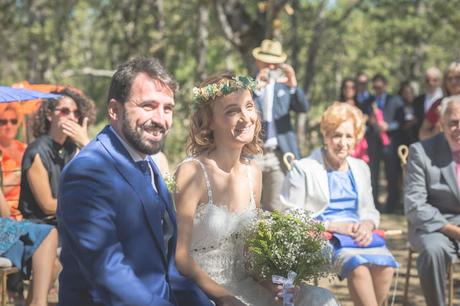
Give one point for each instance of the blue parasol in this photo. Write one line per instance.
(10, 94)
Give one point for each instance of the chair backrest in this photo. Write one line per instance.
(403, 153)
(288, 158)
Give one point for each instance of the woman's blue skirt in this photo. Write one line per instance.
(23, 240)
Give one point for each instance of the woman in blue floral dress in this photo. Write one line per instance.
(31, 248)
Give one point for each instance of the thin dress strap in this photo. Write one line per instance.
(206, 179)
(251, 191)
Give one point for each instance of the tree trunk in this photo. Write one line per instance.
(294, 41)
(160, 24)
(318, 29)
(243, 32)
(202, 39)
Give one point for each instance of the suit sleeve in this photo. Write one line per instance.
(299, 102)
(421, 214)
(398, 116)
(87, 225)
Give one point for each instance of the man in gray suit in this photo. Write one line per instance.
(432, 202)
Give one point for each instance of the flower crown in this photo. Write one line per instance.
(222, 88)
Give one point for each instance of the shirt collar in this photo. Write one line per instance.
(456, 156)
(136, 156)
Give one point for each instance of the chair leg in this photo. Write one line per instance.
(4, 290)
(409, 267)
(450, 294)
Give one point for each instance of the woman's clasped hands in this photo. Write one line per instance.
(361, 231)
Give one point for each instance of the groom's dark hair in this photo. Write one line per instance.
(122, 80)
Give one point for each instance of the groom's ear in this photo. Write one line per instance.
(114, 110)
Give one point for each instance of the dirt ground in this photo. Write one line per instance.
(398, 246)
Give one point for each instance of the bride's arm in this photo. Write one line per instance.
(190, 191)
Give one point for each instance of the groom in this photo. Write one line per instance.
(116, 220)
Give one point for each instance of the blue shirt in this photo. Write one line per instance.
(343, 197)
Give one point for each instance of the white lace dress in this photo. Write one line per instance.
(218, 247)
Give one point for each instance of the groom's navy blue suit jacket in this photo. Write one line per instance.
(110, 226)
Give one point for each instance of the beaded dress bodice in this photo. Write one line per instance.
(217, 239)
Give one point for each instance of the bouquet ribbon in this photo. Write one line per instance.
(287, 283)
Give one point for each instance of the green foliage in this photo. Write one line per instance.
(280, 243)
(53, 41)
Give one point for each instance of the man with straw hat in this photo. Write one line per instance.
(276, 95)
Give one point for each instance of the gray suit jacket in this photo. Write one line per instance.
(432, 196)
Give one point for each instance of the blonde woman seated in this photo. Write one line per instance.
(337, 189)
(217, 193)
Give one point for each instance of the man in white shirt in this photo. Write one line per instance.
(432, 93)
(276, 96)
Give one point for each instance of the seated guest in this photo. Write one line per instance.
(451, 87)
(12, 152)
(336, 188)
(432, 92)
(432, 201)
(22, 242)
(60, 128)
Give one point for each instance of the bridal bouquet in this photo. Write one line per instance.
(291, 245)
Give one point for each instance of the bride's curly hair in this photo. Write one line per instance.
(201, 139)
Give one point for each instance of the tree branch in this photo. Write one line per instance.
(88, 71)
(226, 27)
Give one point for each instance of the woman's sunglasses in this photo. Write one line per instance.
(11, 121)
(65, 111)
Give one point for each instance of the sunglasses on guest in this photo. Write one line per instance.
(11, 121)
(65, 111)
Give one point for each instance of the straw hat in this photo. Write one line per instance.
(270, 52)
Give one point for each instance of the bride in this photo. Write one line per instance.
(217, 192)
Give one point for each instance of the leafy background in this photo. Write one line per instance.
(80, 43)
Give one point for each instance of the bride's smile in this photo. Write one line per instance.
(234, 118)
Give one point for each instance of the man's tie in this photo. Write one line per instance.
(145, 168)
(167, 227)
(380, 102)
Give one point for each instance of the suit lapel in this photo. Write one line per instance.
(451, 178)
(135, 178)
(356, 171)
(165, 196)
(448, 167)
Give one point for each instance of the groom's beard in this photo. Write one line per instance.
(133, 135)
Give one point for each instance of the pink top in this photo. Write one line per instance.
(360, 150)
(432, 114)
(383, 135)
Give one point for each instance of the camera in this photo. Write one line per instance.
(276, 74)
